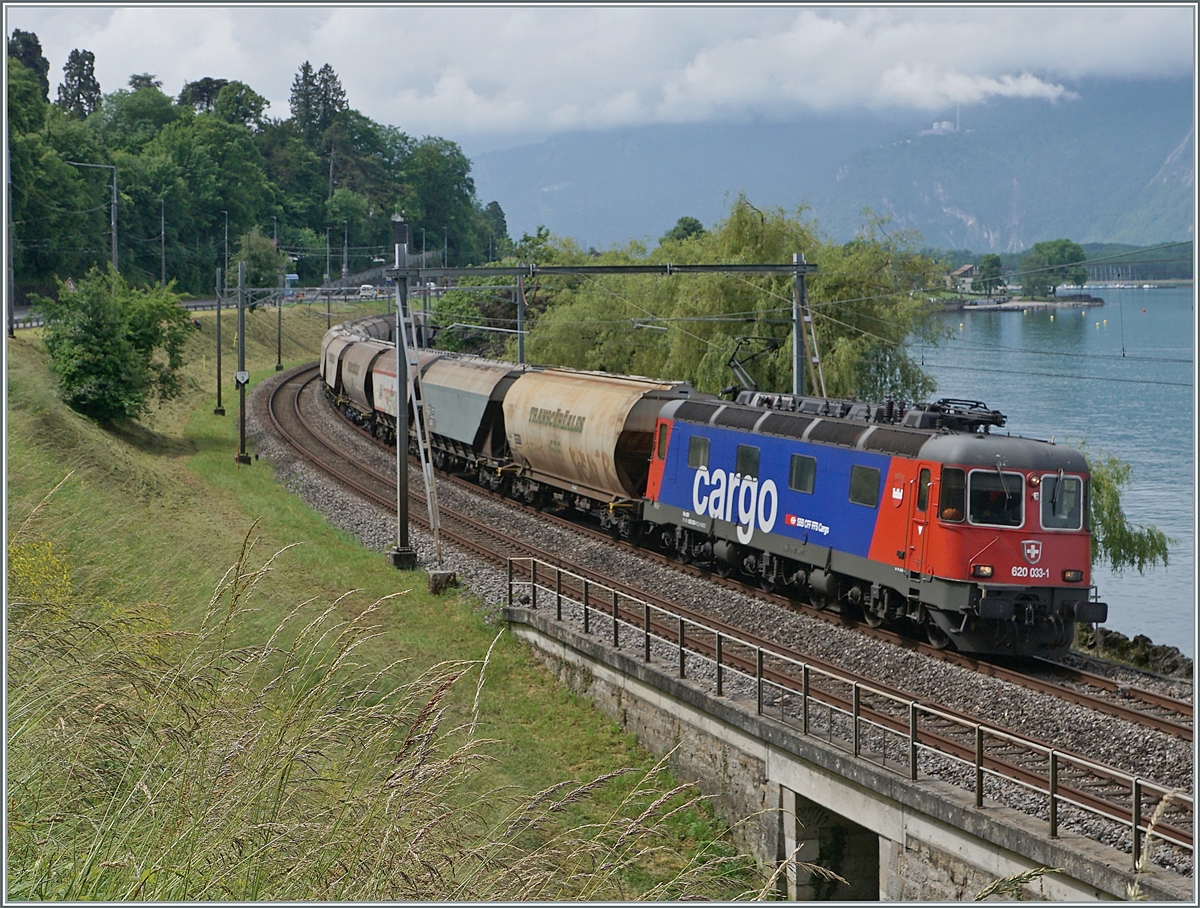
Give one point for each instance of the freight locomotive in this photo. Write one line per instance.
(901, 515)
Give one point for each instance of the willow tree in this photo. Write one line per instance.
(865, 299)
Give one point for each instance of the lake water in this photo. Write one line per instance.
(1061, 373)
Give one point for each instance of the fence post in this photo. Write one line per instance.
(510, 579)
(804, 698)
(558, 593)
(681, 673)
(1053, 794)
(758, 676)
(1137, 821)
(647, 616)
(720, 671)
(616, 626)
(978, 765)
(856, 702)
(586, 609)
(533, 583)
(912, 740)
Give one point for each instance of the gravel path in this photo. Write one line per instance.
(1107, 740)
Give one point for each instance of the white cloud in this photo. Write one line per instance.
(477, 71)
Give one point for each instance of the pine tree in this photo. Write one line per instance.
(303, 104)
(79, 93)
(201, 95)
(27, 49)
(331, 97)
(143, 80)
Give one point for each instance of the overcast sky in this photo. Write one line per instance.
(486, 77)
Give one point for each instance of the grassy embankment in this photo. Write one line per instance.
(150, 519)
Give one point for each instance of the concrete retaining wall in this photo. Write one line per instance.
(787, 794)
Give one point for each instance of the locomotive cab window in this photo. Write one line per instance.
(864, 485)
(996, 500)
(803, 476)
(697, 452)
(953, 503)
(663, 432)
(747, 461)
(1062, 502)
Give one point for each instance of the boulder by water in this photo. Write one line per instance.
(1140, 652)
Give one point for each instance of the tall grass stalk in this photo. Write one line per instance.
(148, 763)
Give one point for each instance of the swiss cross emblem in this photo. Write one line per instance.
(1032, 550)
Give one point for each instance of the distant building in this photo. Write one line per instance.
(942, 128)
(960, 279)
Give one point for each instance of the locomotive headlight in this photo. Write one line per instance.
(982, 570)
(1072, 576)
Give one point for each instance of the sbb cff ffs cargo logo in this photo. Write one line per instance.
(1032, 550)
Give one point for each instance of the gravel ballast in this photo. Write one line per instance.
(1133, 749)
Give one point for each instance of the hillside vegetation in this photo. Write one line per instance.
(214, 694)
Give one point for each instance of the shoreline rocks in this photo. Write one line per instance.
(1140, 652)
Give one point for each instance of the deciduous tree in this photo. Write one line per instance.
(989, 279)
(863, 298)
(685, 227)
(238, 103)
(1051, 263)
(1115, 541)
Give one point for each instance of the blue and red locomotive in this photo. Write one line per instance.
(918, 514)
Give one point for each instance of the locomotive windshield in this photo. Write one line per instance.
(1062, 502)
(996, 499)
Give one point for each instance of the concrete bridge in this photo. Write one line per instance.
(795, 797)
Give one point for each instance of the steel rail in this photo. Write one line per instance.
(944, 744)
(1097, 703)
(304, 439)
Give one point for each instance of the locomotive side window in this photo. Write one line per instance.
(953, 504)
(663, 432)
(747, 461)
(697, 452)
(923, 490)
(997, 500)
(1062, 502)
(803, 476)
(864, 485)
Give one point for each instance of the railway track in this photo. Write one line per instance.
(1148, 709)
(1015, 758)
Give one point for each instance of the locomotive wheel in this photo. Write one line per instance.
(938, 638)
(872, 619)
(817, 600)
(767, 586)
(724, 570)
(683, 557)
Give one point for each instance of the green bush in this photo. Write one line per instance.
(115, 348)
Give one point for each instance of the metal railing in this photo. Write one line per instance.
(873, 724)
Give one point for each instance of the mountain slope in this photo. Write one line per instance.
(1107, 167)
(1114, 165)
